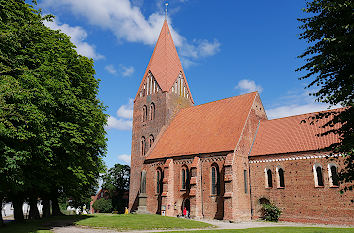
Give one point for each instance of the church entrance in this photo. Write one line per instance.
(186, 204)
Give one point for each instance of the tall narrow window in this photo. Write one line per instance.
(281, 178)
(333, 173)
(144, 113)
(245, 179)
(319, 176)
(152, 111)
(215, 184)
(183, 178)
(159, 181)
(142, 146)
(151, 140)
(269, 178)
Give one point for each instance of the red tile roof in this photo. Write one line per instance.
(285, 135)
(165, 64)
(205, 128)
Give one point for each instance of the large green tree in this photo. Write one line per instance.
(52, 135)
(329, 66)
(116, 182)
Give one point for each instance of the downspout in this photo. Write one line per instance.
(249, 167)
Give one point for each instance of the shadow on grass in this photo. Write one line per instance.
(42, 225)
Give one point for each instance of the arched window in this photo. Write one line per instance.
(333, 175)
(318, 175)
(159, 178)
(281, 181)
(215, 180)
(152, 111)
(151, 140)
(144, 113)
(185, 178)
(142, 146)
(269, 178)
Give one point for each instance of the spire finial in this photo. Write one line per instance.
(166, 4)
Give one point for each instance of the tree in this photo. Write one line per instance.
(116, 182)
(52, 136)
(329, 65)
(103, 205)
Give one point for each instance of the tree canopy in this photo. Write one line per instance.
(52, 136)
(329, 67)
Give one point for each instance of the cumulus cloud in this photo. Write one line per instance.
(296, 103)
(124, 118)
(125, 158)
(126, 21)
(77, 36)
(245, 86)
(126, 111)
(126, 70)
(110, 69)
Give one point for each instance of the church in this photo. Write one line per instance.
(222, 159)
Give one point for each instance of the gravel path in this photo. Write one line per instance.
(219, 224)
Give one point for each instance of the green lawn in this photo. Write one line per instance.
(277, 230)
(140, 222)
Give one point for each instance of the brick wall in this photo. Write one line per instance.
(300, 200)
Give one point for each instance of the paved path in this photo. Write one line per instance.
(219, 225)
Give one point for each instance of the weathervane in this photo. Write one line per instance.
(166, 4)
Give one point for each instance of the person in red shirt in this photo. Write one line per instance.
(184, 212)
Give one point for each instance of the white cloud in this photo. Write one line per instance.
(78, 36)
(126, 70)
(296, 103)
(246, 86)
(125, 158)
(110, 69)
(128, 23)
(126, 111)
(124, 118)
(117, 123)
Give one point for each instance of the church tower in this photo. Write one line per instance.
(163, 91)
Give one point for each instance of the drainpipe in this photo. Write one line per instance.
(201, 185)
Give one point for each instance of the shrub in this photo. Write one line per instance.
(270, 212)
(103, 205)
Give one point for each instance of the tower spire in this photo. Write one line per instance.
(166, 4)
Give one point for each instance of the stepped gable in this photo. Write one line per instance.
(286, 135)
(164, 63)
(206, 128)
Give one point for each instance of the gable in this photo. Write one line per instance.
(206, 128)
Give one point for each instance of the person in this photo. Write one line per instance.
(126, 211)
(185, 212)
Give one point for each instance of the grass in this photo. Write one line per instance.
(277, 230)
(140, 222)
(113, 221)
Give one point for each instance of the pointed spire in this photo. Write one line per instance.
(165, 64)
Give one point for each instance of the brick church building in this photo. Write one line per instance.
(222, 159)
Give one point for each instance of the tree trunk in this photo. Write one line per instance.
(18, 211)
(55, 207)
(46, 208)
(33, 213)
(1, 220)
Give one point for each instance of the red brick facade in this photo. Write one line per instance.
(220, 149)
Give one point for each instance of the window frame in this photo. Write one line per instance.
(152, 111)
(268, 180)
(215, 188)
(143, 146)
(144, 119)
(315, 175)
(279, 183)
(330, 175)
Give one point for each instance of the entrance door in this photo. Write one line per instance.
(186, 204)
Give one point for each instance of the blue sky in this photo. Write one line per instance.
(226, 47)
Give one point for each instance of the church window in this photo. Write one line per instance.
(151, 140)
(159, 181)
(318, 175)
(150, 85)
(281, 182)
(215, 184)
(152, 111)
(143, 146)
(269, 178)
(245, 179)
(333, 175)
(144, 113)
(184, 178)
(144, 90)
